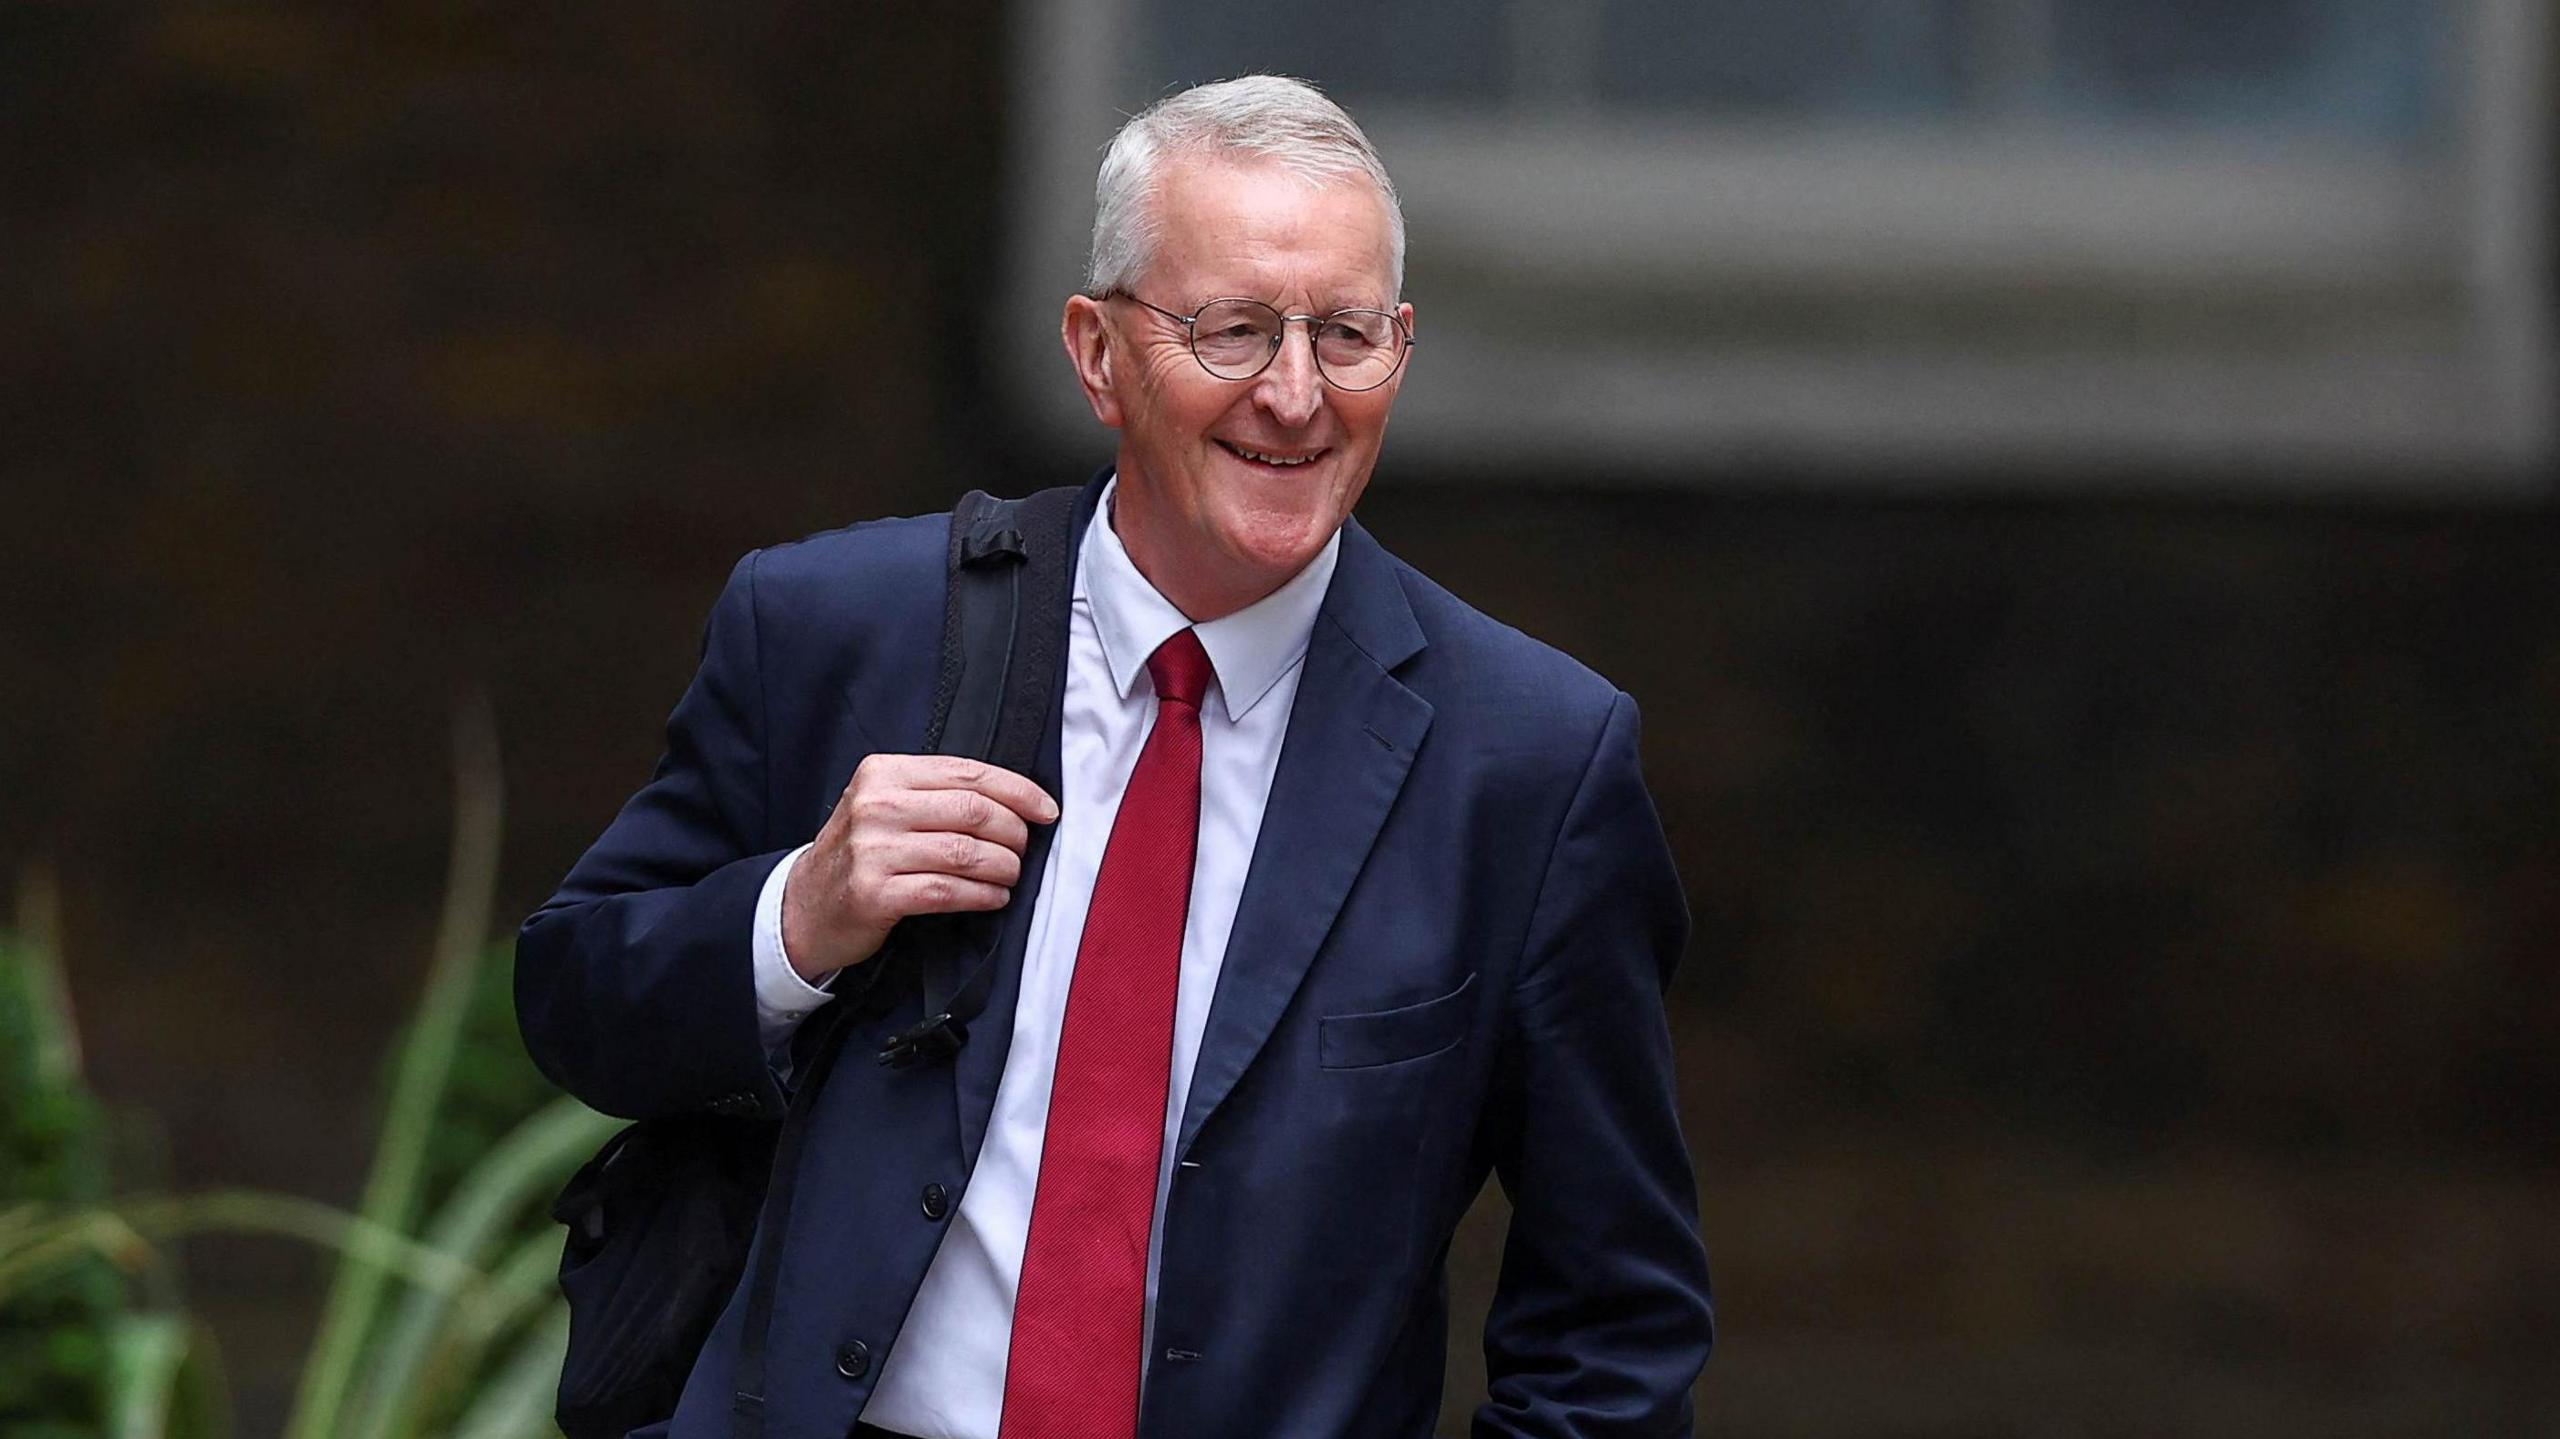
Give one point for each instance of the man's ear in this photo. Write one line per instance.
(1091, 347)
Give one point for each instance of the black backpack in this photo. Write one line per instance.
(661, 1219)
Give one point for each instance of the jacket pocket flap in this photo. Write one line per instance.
(1413, 1031)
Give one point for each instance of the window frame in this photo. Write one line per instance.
(2444, 377)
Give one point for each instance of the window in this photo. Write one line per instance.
(2279, 241)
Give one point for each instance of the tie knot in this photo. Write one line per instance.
(1180, 668)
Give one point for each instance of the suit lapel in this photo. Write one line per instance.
(1352, 735)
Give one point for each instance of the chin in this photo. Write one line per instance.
(1274, 546)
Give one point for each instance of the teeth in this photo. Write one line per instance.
(1269, 459)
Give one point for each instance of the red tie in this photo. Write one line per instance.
(1079, 1317)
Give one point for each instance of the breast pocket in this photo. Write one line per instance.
(1392, 1036)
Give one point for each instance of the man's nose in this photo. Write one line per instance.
(1290, 387)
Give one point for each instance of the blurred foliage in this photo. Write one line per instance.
(52, 1332)
(442, 1317)
(493, 1086)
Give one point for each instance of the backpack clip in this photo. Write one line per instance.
(986, 543)
(936, 1039)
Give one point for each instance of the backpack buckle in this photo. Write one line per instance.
(935, 1039)
(984, 544)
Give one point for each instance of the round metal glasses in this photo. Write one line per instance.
(1237, 338)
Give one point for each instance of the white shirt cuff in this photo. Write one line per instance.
(783, 998)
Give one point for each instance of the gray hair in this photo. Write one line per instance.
(1272, 118)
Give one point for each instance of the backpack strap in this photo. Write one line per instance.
(1004, 635)
(978, 619)
(1003, 626)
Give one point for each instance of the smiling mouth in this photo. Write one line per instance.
(1269, 460)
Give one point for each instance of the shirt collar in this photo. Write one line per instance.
(1248, 651)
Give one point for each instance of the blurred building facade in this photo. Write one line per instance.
(2256, 242)
(2061, 477)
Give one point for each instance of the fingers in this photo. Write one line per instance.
(962, 856)
(958, 811)
(948, 772)
(919, 834)
(912, 894)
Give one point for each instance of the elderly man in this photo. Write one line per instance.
(1340, 897)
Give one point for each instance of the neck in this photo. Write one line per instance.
(1199, 597)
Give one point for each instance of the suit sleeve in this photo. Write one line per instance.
(1601, 1320)
(635, 984)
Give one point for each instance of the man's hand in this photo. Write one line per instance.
(912, 834)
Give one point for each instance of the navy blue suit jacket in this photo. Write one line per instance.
(1448, 960)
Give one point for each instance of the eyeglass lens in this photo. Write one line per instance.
(1356, 349)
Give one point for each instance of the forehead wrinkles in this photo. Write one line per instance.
(1263, 232)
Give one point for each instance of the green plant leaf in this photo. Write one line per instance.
(54, 1053)
(163, 1380)
(391, 1189)
(57, 1294)
(131, 1235)
(482, 1213)
(518, 1401)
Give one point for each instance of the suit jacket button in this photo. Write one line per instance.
(854, 1360)
(937, 1201)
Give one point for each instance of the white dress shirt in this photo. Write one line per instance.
(944, 1377)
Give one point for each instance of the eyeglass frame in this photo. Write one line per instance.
(1191, 331)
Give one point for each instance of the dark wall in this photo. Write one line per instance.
(355, 362)
(2125, 945)
(2125, 979)
(357, 357)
